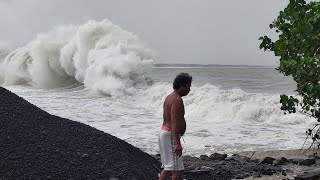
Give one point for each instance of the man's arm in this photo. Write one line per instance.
(177, 116)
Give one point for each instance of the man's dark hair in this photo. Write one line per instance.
(181, 80)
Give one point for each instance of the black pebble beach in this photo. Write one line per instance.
(37, 145)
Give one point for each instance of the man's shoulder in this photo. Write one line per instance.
(177, 99)
(173, 98)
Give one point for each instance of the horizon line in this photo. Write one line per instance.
(192, 64)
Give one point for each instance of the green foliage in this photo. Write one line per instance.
(298, 47)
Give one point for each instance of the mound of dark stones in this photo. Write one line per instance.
(37, 145)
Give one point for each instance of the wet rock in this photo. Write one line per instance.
(198, 175)
(267, 160)
(203, 157)
(240, 176)
(256, 174)
(311, 175)
(189, 168)
(281, 161)
(217, 156)
(202, 171)
(229, 159)
(295, 160)
(308, 162)
(241, 158)
(258, 168)
(289, 171)
(267, 172)
(284, 173)
(206, 168)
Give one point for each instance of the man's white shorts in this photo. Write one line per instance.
(170, 161)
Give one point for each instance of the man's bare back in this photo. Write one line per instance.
(173, 115)
(173, 108)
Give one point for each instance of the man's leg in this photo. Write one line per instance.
(164, 175)
(177, 175)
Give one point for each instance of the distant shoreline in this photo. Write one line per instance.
(206, 65)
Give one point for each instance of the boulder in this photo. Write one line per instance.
(217, 156)
(308, 162)
(267, 160)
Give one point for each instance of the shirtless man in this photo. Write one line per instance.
(173, 127)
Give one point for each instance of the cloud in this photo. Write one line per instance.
(206, 31)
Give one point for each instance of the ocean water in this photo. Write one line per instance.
(103, 76)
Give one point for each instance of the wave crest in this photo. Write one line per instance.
(101, 55)
(211, 104)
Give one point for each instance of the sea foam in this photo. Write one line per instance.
(101, 55)
(218, 120)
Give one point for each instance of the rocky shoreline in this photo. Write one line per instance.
(37, 145)
(222, 166)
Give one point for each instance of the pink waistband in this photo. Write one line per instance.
(165, 128)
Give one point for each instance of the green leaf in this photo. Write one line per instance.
(298, 48)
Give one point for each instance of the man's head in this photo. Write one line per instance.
(182, 83)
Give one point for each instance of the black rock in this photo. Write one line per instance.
(217, 156)
(229, 159)
(198, 175)
(240, 176)
(267, 160)
(203, 157)
(308, 162)
(256, 174)
(281, 161)
(311, 175)
(284, 173)
(295, 160)
(267, 172)
(258, 168)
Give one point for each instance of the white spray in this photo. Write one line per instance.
(101, 55)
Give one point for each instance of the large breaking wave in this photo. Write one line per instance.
(101, 55)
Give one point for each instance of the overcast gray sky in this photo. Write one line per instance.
(180, 31)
